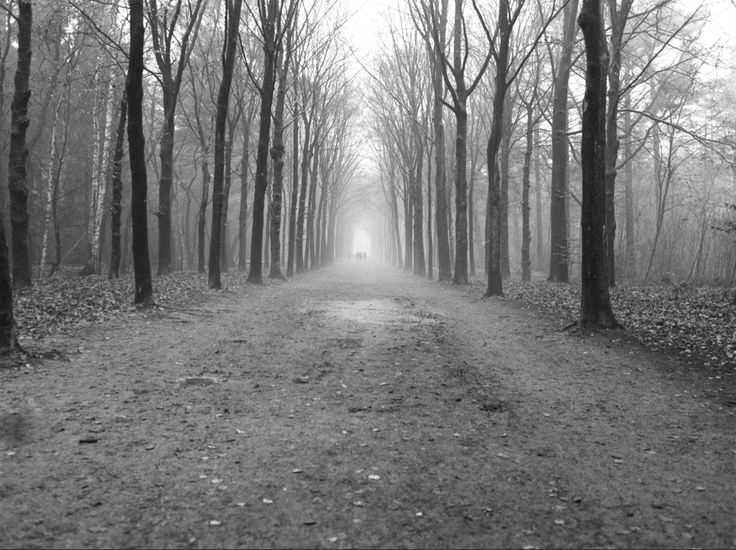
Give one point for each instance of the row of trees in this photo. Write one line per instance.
(190, 82)
(516, 80)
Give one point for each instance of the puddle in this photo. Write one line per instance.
(369, 311)
(198, 381)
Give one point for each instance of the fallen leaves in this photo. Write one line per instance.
(699, 323)
(68, 300)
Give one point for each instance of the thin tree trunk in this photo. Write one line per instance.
(243, 217)
(558, 262)
(50, 186)
(290, 261)
(223, 99)
(137, 154)
(494, 210)
(264, 136)
(526, 234)
(116, 207)
(202, 215)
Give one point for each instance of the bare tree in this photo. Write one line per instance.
(137, 154)
(595, 304)
(167, 36)
(232, 23)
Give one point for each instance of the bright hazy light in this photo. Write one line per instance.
(361, 242)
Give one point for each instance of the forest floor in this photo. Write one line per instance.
(361, 407)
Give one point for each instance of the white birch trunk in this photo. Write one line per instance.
(49, 190)
(100, 159)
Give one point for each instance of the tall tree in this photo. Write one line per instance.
(558, 262)
(275, 18)
(19, 152)
(277, 153)
(166, 35)
(232, 23)
(137, 155)
(459, 90)
(116, 206)
(595, 304)
(423, 21)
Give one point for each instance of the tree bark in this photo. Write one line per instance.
(595, 304)
(19, 152)
(116, 206)
(243, 215)
(290, 260)
(137, 154)
(223, 98)
(277, 154)
(526, 234)
(255, 274)
(558, 261)
(495, 283)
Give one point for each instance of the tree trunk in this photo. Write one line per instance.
(51, 184)
(307, 150)
(558, 260)
(495, 283)
(504, 183)
(290, 260)
(202, 215)
(17, 158)
(418, 211)
(444, 262)
(526, 233)
(223, 99)
(629, 199)
(264, 136)
(137, 154)
(166, 155)
(116, 207)
(461, 155)
(277, 154)
(243, 216)
(595, 305)
(309, 259)
(538, 229)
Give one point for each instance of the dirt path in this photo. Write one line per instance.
(357, 407)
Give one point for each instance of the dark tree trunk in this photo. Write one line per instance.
(243, 217)
(309, 258)
(558, 261)
(223, 99)
(526, 233)
(538, 229)
(277, 154)
(618, 22)
(227, 182)
(166, 155)
(290, 261)
(418, 212)
(202, 216)
(629, 200)
(137, 155)
(8, 339)
(504, 183)
(255, 274)
(495, 283)
(444, 262)
(116, 206)
(19, 152)
(307, 150)
(595, 305)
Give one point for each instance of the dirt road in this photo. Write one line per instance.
(360, 407)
